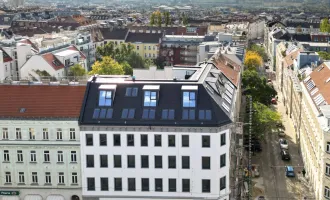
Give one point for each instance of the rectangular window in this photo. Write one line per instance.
(33, 156)
(21, 178)
(32, 134)
(144, 161)
(60, 156)
(59, 134)
(89, 140)
(188, 114)
(150, 98)
(206, 162)
(46, 156)
(185, 185)
(105, 98)
(223, 183)
(168, 114)
(131, 92)
(148, 114)
(189, 99)
(206, 186)
(185, 162)
(8, 177)
(131, 184)
(48, 178)
(73, 156)
(5, 133)
(327, 192)
(104, 161)
(328, 147)
(158, 185)
(6, 156)
(103, 140)
(158, 140)
(223, 160)
(206, 141)
(118, 184)
(19, 156)
(45, 134)
(130, 140)
(144, 140)
(90, 184)
(74, 178)
(204, 115)
(223, 139)
(72, 134)
(34, 178)
(158, 162)
(145, 184)
(128, 113)
(130, 161)
(185, 140)
(116, 140)
(117, 161)
(171, 162)
(104, 184)
(61, 178)
(171, 140)
(89, 161)
(172, 185)
(18, 134)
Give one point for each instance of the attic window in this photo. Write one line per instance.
(189, 99)
(150, 98)
(56, 63)
(131, 92)
(106, 95)
(22, 110)
(310, 84)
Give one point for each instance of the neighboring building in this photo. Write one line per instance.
(256, 29)
(7, 65)
(40, 141)
(180, 49)
(145, 44)
(302, 26)
(157, 139)
(52, 63)
(115, 35)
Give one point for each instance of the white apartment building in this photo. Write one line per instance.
(157, 139)
(40, 142)
(256, 29)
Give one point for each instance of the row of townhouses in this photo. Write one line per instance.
(304, 80)
(121, 137)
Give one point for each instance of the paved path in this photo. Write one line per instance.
(272, 168)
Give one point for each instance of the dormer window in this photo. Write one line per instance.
(106, 95)
(150, 95)
(189, 96)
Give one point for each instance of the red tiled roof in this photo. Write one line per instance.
(6, 57)
(50, 58)
(75, 49)
(27, 41)
(41, 101)
(230, 69)
(320, 75)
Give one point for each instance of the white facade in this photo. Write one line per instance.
(195, 151)
(40, 158)
(256, 30)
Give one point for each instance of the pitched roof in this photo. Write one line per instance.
(230, 69)
(6, 57)
(289, 59)
(143, 37)
(53, 61)
(318, 84)
(38, 101)
(27, 41)
(76, 49)
(114, 34)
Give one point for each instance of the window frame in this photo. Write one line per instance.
(90, 161)
(223, 160)
(189, 101)
(131, 186)
(206, 183)
(206, 163)
(130, 161)
(103, 140)
(157, 140)
(223, 138)
(117, 163)
(158, 161)
(185, 163)
(90, 184)
(158, 184)
(118, 184)
(183, 139)
(144, 163)
(185, 182)
(104, 161)
(223, 183)
(171, 182)
(152, 96)
(145, 188)
(171, 144)
(129, 140)
(144, 140)
(208, 141)
(116, 142)
(108, 101)
(104, 180)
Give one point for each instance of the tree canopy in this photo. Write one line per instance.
(77, 70)
(324, 55)
(260, 50)
(118, 53)
(107, 66)
(252, 60)
(324, 25)
(257, 87)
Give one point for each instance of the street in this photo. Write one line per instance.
(272, 183)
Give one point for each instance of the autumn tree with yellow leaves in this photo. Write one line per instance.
(252, 60)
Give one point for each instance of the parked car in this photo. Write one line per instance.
(274, 101)
(285, 155)
(289, 172)
(283, 144)
(281, 132)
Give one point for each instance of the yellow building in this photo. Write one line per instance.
(145, 44)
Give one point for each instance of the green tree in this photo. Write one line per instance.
(167, 18)
(260, 50)
(184, 19)
(148, 63)
(324, 25)
(77, 70)
(135, 60)
(128, 70)
(257, 86)
(159, 18)
(152, 19)
(324, 55)
(107, 66)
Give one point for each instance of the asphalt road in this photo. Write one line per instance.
(272, 168)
